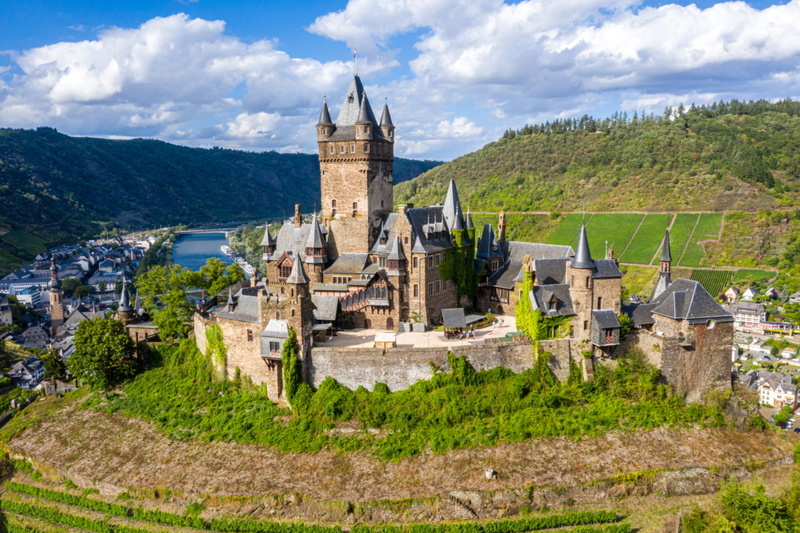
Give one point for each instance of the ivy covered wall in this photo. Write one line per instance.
(459, 264)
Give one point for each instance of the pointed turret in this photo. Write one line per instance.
(664, 271)
(666, 256)
(325, 127)
(55, 283)
(315, 244)
(583, 257)
(396, 254)
(365, 120)
(324, 115)
(469, 224)
(230, 303)
(298, 275)
(267, 244)
(124, 299)
(348, 114)
(453, 215)
(387, 127)
(137, 304)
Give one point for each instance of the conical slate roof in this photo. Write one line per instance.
(348, 114)
(469, 223)
(583, 258)
(267, 240)
(124, 299)
(666, 256)
(298, 275)
(365, 112)
(324, 115)
(315, 235)
(386, 118)
(397, 252)
(137, 305)
(452, 208)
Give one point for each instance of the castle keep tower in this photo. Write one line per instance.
(355, 158)
(580, 275)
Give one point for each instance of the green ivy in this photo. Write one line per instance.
(216, 351)
(531, 322)
(459, 265)
(292, 372)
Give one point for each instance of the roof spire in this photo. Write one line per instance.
(386, 118)
(666, 256)
(452, 212)
(364, 113)
(583, 257)
(298, 275)
(267, 240)
(324, 115)
(124, 300)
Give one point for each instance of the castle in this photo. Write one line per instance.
(375, 268)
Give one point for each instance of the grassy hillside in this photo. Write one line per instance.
(736, 156)
(55, 188)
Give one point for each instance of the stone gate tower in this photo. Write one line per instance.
(355, 159)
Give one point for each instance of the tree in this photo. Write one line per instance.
(101, 286)
(2, 345)
(54, 366)
(169, 286)
(104, 354)
(83, 291)
(216, 275)
(625, 326)
(784, 294)
(118, 287)
(774, 351)
(69, 285)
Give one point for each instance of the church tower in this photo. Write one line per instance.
(664, 270)
(355, 159)
(56, 299)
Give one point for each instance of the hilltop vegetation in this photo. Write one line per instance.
(55, 188)
(727, 156)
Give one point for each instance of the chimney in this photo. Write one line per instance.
(298, 220)
(402, 208)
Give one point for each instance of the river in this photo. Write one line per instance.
(192, 250)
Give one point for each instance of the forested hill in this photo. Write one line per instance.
(725, 156)
(55, 188)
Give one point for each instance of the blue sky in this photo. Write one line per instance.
(251, 75)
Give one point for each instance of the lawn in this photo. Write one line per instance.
(567, 231)
(519, 227)
(679, 235)
(707, 229)
(647, 239)
(753, 276)
(30, 244)
(611, 228)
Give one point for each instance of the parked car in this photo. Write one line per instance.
(796, 430)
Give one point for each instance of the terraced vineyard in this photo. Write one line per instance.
(714, 281)
(647, 239)
(611, 228)
(707, 228)
(567, 231)
(33, 509)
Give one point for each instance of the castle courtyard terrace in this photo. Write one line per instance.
(365, 338)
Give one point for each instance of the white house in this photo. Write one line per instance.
(777, 393)
(749, 315)
(749, 294)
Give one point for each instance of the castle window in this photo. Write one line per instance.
(587, 281)
(292, 312)
(352, 148)
(406, 241)
(416, 290)
(333, 203)
(571, 331)
(366, 147)
(355, 206)
(350, 98)
(437, 260)
(599, 302)
(277, 315)
(341, 148)
(585, 325)
(430, 289)
(283, 291)
(437, 287)
(430, 261)
(381, 203)
(415, 262)
(332, 149)
(249, 335)
(274, 346)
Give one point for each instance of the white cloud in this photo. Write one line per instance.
(458, 127)
(476, 68)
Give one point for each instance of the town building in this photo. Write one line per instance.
(27, 374)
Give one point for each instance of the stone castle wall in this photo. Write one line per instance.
(399, 368)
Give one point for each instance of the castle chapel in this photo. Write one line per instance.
(360, 262)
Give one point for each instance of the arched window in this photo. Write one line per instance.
(385, 293)
(349, 301)
(292, 312)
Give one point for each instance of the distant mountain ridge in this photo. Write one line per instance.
(55, 188)
(727, 156)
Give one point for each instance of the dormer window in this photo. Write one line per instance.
(350, 98)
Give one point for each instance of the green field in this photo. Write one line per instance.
(568, 230)
(714, 281)
(31, 245)
(647, 239)
(613, 228)
(707, 228)
(753, 276)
